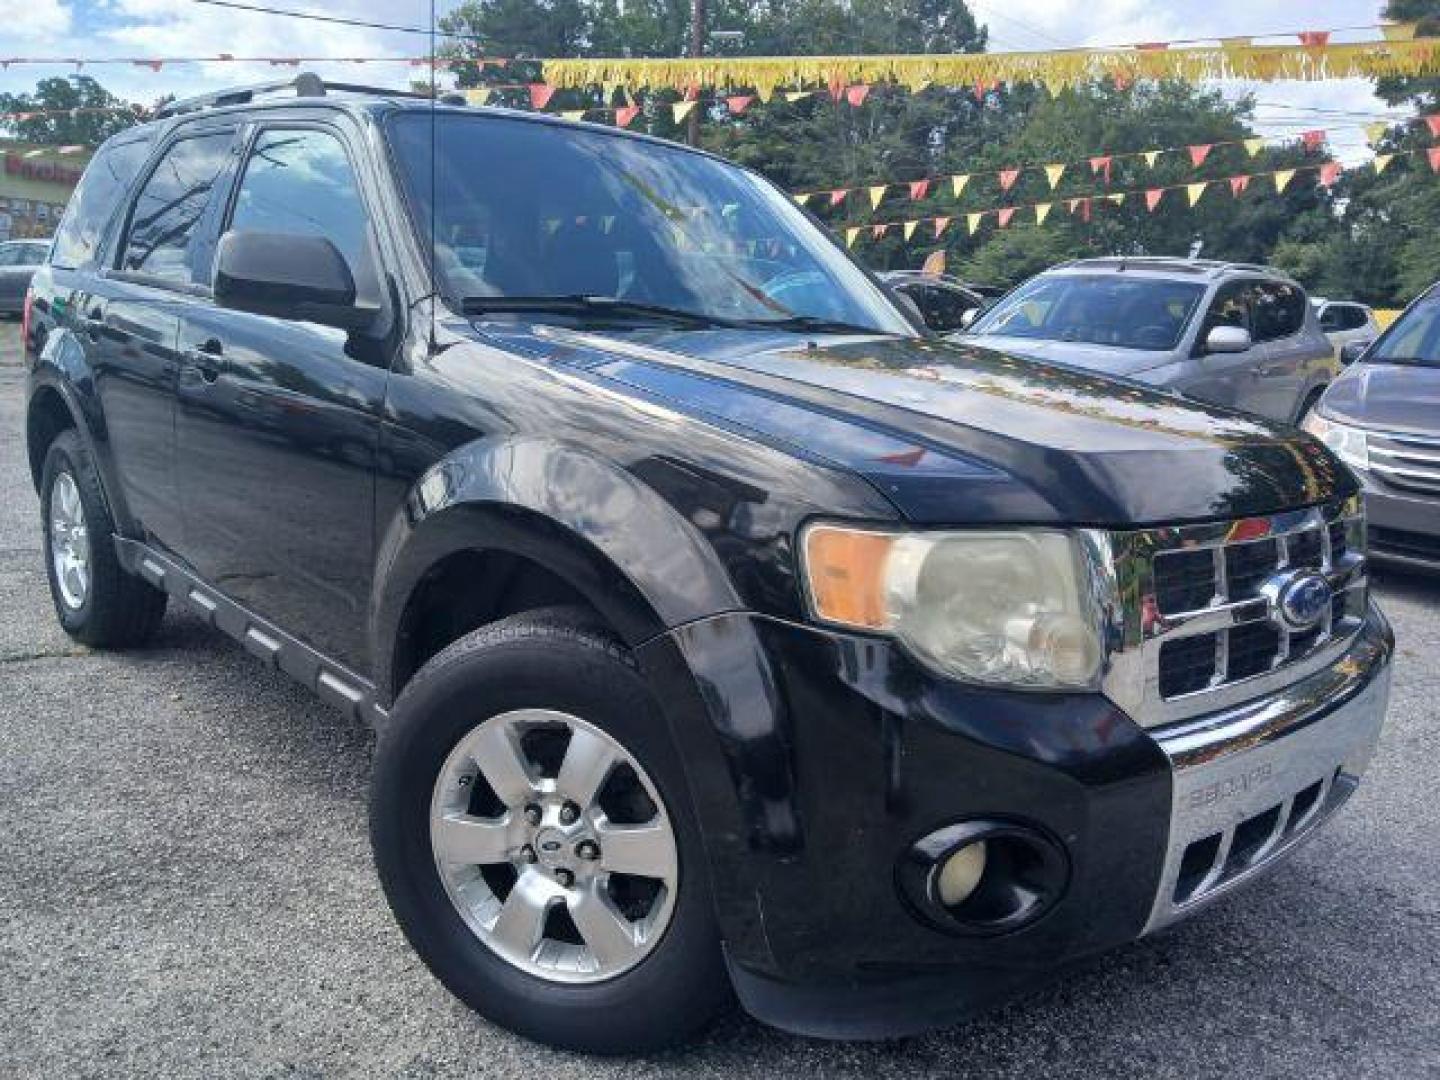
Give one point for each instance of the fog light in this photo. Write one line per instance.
(960, 874)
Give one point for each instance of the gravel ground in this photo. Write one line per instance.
(187, 891)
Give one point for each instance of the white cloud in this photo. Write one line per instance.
(31, 22)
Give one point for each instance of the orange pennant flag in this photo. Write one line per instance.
(878, 230)
(1312, 140)
(838, 196)
(1433, 123)
(1329, 173)
(919, 189)
(1008, 178)
(1199, 153)
(941, 224)
(625, 114)
(1314, 39)
(1100, 165)
(1004, 214)
(738, 103)
(856, 94)
(1433, 154)
(540, 95)
(1153, 197)
(1238, 184)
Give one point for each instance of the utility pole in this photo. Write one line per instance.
(697, 49)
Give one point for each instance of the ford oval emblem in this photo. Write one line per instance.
(1302, 600)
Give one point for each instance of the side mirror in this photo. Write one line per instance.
(287, 276)
(968, 317)
(1352, 351)
(1227, 339)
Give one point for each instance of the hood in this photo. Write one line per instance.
(954, 433)
(1395, 397)
(1107, 359)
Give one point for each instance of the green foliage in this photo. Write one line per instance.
(63, 129)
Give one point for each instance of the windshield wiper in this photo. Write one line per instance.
(607, 307)
(812, 323)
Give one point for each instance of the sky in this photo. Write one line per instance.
(124, 28)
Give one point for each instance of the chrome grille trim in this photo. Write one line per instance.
(1406, 461)
(1139, 629)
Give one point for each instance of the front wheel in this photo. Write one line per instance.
(532, 835)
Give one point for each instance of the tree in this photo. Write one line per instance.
(76, 110)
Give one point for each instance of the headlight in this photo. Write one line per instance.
(1012, 608)
(1349, 443)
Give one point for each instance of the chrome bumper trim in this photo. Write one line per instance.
(1253, 782)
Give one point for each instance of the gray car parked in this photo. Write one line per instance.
(1227, 333)
(1382, 417)
(19, 259)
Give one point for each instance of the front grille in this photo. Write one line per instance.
(1409, 462)
(1203, 600)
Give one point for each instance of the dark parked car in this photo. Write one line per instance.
(722, 629)
(1382, 416)
(946, 304)
(19, 259)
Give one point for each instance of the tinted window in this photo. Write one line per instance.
(162, 241)
(1352, 317)
(943, 308)
(1331, 319)
(1103, 309)
(102, 189)
(300, 181)
(1276, 310)
(1231, 307)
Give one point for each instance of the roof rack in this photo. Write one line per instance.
(305, 85)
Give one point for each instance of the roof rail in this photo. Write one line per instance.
(306, 84)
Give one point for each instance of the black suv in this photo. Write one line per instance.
(722, 628)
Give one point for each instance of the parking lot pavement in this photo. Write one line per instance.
(187, 891)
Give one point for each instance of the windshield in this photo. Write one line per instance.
(532, 210)
(1414, 339)
(1101, 309)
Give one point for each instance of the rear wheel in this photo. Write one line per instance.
(532, 835)
(96, 600)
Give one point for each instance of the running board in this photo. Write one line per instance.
(331, 682)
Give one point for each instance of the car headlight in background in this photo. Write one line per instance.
(1349, 443)
(1012, 608)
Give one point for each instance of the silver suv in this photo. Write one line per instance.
(1227, 333)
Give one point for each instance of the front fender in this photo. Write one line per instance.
(634, 558)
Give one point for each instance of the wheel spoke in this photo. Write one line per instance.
(472, 841)
(642, 850)
(587, 764)
(610, 939)
(521, 922)
(497, 752)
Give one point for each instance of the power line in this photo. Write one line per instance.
(261, 9)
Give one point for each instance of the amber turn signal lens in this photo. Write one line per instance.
(846, 571)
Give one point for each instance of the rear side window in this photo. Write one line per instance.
(162, 240)
(101, 191)
(1277, 310)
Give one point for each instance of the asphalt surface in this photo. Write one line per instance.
(186, 890)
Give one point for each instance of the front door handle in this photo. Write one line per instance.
(206, 359)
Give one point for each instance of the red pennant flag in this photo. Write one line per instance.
(692, 91)
(1081, 205)
(1329, 173)
(626, 114)
(738, 103)
(1314, 39)
(856, 94)
(1434, 155)
(940, 224)
(1433, 123)
(838, 196)
(153, 65)
(1153, 197)
(1199, 153)
(1238, 184)
(878, 231)
(1008, 178)
(1100, 165)
(837, 89)
(1004, 214)
(540, 94)
(1313, 140)
(919, 189)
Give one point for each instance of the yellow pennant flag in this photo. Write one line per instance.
(764, 92)
(1151, 156)
(1254, 146)
(909, 229)
(1194, 191)
(1118, 198)
(1053, 173)
(801, 197)
(1282, 180)
(681, 109)
(972, 222)
(850, 235)
(573, 114)
(1376, 131)
(477, 95)
(958, 183)
(1399, 31)
(876, 194)
(1042, 211)
(1382, 162)
(796, 95)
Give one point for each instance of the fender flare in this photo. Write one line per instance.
(632, 555)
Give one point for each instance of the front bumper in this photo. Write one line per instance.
(1404, 528)
(817, 759)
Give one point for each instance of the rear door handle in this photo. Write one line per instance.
(206, 358)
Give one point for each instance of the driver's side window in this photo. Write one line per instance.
(1231, 307)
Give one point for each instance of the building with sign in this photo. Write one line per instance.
(35, 184)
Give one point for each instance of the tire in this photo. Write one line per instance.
(114, 609)
(560, 661)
